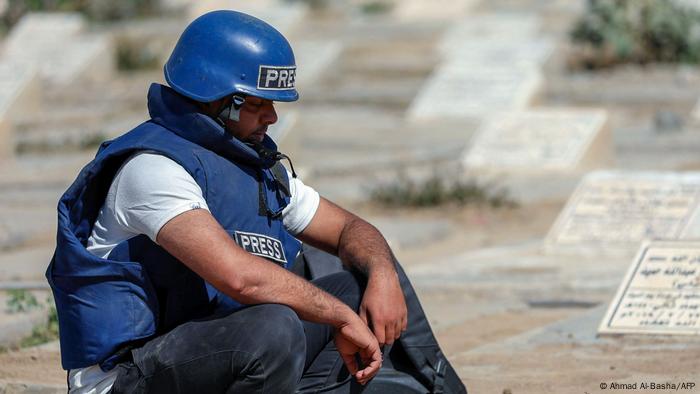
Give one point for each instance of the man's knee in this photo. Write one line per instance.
(280, 338)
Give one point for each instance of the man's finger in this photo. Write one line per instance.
(363, 314)
(373, 363)
(379, 332)
(390, 334)
(350, 363)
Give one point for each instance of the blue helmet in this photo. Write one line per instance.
(223, 53)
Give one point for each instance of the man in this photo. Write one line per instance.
(174, 244)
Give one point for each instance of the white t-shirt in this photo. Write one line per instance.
(147, 192)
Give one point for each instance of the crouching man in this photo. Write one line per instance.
(171, 271)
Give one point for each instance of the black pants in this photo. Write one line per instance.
(258, 349)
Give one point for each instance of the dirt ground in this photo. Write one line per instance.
(494, 351)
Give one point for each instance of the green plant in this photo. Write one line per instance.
(100, 10)
(375, 7)
(637, 31)
(20, 300)
(436, 191)
(135, 55)
(45, 332)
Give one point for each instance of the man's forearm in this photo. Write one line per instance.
(363, 247)
(196, 239)
(265, 282)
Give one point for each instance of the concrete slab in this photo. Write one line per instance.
(405, 233)
(502, 26)
(541, 140)
(7, 143)
(419, 10)
(59, 45)
(660, 293)
(455, 91)
(285, 124)
(20, 90)
(283, 15)
(19, 96)
(614, 211)
(471, 52)
(313, 57)
(495, 40)
(25, 265)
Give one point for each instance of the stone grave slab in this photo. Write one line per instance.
(283, 15)
(479, 27)
(19, 96)
(19, 90)
(313, 57)
(86, 58)
(660, 293)
(60, 47)
(695, 114)
(420, 10)
(499, 51)
(459, 91)
(523, 270)
(7, 145)
(496, 39)
(614, 211)
(541, 140)
(285, 123)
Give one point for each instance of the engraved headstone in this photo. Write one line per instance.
(614, 211)
(660, 293)
(539, 140)
(282, 15)
(59, 46)
(458, 91)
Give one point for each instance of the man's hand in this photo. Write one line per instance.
(355, 338)
(361, 246)
(383, 306)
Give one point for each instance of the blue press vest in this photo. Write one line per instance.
(140, 290)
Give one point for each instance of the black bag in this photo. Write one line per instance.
(415, 363)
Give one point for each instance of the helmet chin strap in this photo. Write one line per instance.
(232, 111)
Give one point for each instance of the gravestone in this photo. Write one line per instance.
(497, 26)
(282, 15)
(19, 97)
(285, 122)
(614, 211)
(542, 140)
(60, 47)
(19, 90)
(460, 91)
(497, 52)
(7, 145)
(421, 10)
(660, 293)
(313, 58)
(496, 39)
